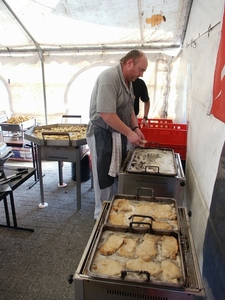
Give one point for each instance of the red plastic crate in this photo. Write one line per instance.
(166, 134)
(160, 121)
(156, 121)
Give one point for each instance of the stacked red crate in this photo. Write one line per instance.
(166, 134)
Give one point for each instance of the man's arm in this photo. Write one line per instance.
(146, 111)
(114, 121)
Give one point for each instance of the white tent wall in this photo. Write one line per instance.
(22, 77)
(206, 134)
(23, 80)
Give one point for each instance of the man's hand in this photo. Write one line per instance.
(136, 138)
(144, 123)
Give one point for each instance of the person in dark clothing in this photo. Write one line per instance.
(141, 92)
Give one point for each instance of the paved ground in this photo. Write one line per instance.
(36, 265)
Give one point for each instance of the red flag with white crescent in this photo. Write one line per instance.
(218, 105)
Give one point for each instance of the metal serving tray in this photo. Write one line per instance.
(3, 148)
(132, 208)
(153, 161)
(45, 141)
(5, 153)
(18, 127)
(142, 277)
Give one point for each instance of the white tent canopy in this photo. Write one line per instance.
(57, 25)
(46, 45)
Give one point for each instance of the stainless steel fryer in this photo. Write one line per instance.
(163, 185)
(88, 288)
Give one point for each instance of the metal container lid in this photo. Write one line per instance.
(153, 161)
(5, 152)
(3, 147)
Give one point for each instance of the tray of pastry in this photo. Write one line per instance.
(138, 255)
(125, 209)
(18, 123)
(64, 134)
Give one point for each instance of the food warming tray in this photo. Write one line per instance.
(161, 211)
(163, 185)
(156, 161)
(57, 138)
(115, 264)
(90, 288)
(18, 127)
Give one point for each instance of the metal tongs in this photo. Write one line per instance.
(9, 178)
(19, 169)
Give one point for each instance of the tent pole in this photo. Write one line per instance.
(39, 51)
(43, 85)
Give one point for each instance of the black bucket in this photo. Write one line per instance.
(85, 171)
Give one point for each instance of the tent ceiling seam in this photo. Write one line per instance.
(38, 48)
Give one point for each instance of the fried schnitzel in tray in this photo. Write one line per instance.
(138, 255)
(162, 212)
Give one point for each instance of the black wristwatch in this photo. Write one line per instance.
(146, 118)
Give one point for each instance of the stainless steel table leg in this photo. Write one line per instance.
(8, 225)
(36, 165)
(43, 203)
(34, 161)
(60, 167)
(14, 215)
(13, 209)
(6, 211)
(78, 177)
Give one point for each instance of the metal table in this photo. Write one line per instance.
(13, 185)
(70, 154)
(57, 150)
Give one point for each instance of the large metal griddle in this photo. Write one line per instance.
(60, 150)
(47, 138)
